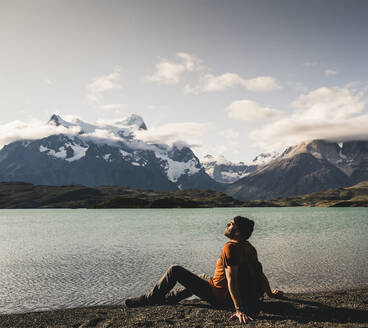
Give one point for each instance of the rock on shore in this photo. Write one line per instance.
(324, 309)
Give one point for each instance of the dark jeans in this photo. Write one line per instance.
(192, 285)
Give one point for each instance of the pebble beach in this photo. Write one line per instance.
(323, 309)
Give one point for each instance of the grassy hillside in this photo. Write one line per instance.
(26, 195)
(354, 196)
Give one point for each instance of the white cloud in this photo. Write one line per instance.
(309, 64)
(330, 72)
(190, 62)
(212, 83)
(113, 108)
(102, 84)
(230, 134)
(229, 149)
(170, 72)
(35, 129)
(325, 113)
(103, 135)
(329, 104)
(262, 83)
(249, 110)
(48, 81)
(189, 132)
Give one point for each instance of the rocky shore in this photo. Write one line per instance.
(323, 309)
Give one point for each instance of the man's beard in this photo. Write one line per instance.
(229, 234)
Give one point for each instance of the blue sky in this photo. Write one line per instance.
(235, 78)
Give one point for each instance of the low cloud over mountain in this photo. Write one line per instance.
(335, 114)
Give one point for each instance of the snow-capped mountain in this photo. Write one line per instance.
(308, 167)
(102, 154)
(264, 158)
(224, 171)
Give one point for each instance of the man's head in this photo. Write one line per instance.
(239, 228)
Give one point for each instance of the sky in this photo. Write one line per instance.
(232, 78)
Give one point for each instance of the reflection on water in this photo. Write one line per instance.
(69, 258)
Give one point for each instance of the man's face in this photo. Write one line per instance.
(231, 229)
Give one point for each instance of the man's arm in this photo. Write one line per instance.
(232, 276)
(266, 287)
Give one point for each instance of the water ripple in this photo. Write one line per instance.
(67, 258)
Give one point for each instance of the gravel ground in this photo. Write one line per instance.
(323, 309)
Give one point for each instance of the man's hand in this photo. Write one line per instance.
(243, 318)
(277, 293)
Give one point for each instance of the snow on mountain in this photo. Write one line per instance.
(70, 151)
(103, 153)
(264, 158)
(175, 169)
(133, 119)
(338, 154)
(308, 167)
(124, 128)
(223, 170)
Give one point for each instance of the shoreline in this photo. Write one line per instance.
(341, 308)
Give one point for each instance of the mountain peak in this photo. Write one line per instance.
(218, 160)
(318, 148)
(133, 119)
(55, 120)
(264, 158)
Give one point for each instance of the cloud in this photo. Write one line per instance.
(335, 114)
(35, 129)
(48, 81)
(262, 83)
(103, 136)
(230, 134)
(212, 83)
(113, 108)
(330, 72)
(189, 132)
(329, 104)
(190, 62)
(102, 84)
(310, 64)
(249, 110)
(170, 72)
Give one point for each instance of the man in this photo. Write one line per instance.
(238, 278)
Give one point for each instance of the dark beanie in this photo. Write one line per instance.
(244, 225)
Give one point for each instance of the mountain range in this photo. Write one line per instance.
(108, 154)
(305, 168)
(113, 154)
(224, 171)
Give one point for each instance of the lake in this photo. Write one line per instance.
(61, 258)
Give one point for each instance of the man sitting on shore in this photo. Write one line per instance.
(238, 279)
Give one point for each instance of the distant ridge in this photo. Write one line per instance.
(305, 168)
(27, 195)
(355, 196)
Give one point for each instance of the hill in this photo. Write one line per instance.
(306, 168)
(27, 195)
(354, 196)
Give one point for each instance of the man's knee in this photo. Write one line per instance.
(204, 276)
(174, 269)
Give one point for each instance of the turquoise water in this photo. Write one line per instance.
(69, 258)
